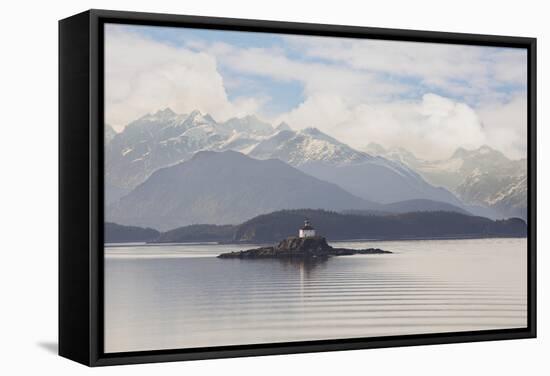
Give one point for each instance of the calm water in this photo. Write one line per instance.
(181, 296)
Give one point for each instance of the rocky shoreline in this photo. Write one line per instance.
(304, 248)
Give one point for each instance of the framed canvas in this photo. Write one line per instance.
(234, 187)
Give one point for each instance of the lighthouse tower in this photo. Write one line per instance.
(307, 230)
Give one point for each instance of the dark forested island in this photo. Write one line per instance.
(198, 233)
(338, 226)
(272, 227)
(115, 233)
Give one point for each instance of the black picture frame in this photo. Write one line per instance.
(81, 186)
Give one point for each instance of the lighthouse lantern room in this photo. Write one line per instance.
(307, 230)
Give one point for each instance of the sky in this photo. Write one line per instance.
(427, 98)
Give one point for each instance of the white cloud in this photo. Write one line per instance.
(315, 77)
(355, 90)
(505, 125)
(432, 127)
(457, 69)
(143, 75)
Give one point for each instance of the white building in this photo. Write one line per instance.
(307, 230)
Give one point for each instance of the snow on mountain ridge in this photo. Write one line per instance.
(164, 138)
(307, 145)
(482, 176)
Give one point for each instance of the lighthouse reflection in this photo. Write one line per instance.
(304, 265)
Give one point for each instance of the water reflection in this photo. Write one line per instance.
(304, 265)
(183, 296)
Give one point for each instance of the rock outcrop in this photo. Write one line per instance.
(294, 247)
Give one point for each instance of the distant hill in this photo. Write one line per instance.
(336, 226)
(225, 188)
(115, 233)
(379, 180)
(422, 205)
(332, 225)
(407, 206)
(198, 233)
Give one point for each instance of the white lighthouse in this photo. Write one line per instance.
(307, 230)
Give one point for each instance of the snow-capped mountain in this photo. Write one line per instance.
(483, 176)
(505, 193)
(225, 188)
(166, 138)
(248, 125)
(372, 178)
(307, 145)
(512, 198)
(444, 173)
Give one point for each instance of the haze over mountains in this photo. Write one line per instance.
(372, 178)
(478, 177)
(166, 170)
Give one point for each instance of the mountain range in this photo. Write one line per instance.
(165, 138)
(225, 188)
(166, 170)
(373, 178)
(483, 177)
